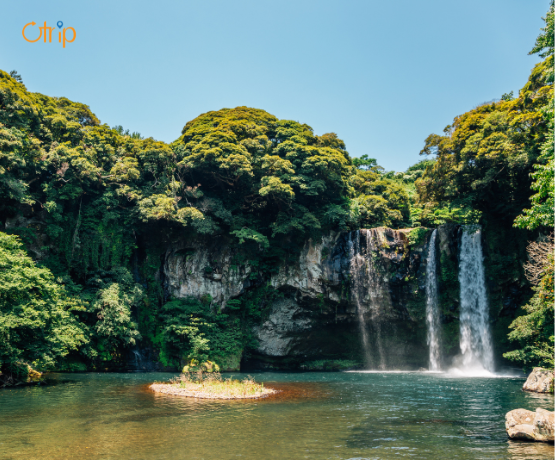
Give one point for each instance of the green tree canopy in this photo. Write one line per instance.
(543, 204)
(490, 151)
(37, 325)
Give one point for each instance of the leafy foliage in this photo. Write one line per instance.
(96, 206)
(534, 330)
(37, 324)
(192, 332)
(274, 177)
(379, 201)
(112, 302)
(541, 214)
(489, 153)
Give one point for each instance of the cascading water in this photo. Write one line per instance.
(432, 308)
(356, 267)
(368, 291)
(138, 359)
(376, 289)
(475, 340)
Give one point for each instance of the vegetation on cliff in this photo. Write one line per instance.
(534, 329)
(93, 208)
(37, 323)
(497, 161)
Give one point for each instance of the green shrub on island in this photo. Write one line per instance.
(212, 386)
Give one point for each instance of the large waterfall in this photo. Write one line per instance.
(432, 308)
(367, 289)
(475, 340)
(377, 291)
(356, 268)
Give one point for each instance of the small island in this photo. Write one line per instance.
(212, 386)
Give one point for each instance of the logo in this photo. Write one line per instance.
(45, 32)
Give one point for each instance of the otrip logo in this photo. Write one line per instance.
(46, 33)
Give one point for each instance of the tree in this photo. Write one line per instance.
(365, 163)
(112, 304)
(37, 326)
(486, 156)
(16, 76)
(275, 177)
(378, 201)
(534, 330)
(190, 331)
(541, 214)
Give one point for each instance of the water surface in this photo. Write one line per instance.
(317, 416)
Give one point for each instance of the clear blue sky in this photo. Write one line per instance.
(381, 74)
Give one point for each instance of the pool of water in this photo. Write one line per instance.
(316, 416)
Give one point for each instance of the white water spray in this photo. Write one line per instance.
(475, 340)
(377, 291)
(356, 266)
(432, 308)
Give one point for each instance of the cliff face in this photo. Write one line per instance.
(377, 275)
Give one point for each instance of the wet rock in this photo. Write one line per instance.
(526, 425)
(540, 381)
(190, 271)
(320, 306)
(448, 238)
(543, 425)
(518, 417)
(277, 334)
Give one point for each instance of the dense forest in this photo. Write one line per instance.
(88, 210)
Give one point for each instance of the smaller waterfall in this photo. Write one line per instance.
(475, 340)
(138, 359)
(432, 308)
(357, 263)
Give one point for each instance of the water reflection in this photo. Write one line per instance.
(315, 415)
(528, 450)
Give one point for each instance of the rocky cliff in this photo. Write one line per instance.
(378, 272)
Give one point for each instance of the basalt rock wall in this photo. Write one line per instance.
(379, 271)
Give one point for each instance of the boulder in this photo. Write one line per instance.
(540, 380)
(543, 425)
(526, 425)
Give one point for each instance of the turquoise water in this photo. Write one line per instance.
(316, 416)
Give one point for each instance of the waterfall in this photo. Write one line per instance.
(138, 359)
(376, 289)
(475, 339)
(368, 292)
(432, 308)
(356, 266)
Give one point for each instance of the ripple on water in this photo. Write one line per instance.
(316, 416)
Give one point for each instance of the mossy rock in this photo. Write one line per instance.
(20, 373)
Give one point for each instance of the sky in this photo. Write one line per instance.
(383, 75)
